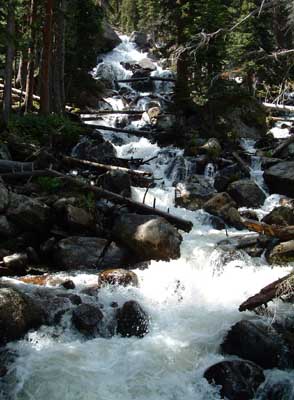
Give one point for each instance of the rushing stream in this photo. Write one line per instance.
(192, 301)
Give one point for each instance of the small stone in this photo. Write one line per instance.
(132, 320)
(86, 318)
(69, 285)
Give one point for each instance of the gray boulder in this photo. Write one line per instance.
(77, 252)
(228, 175)
(148, 236)
(281, 216)
(140, 38)
(280, 178)
(238, 380)
(193, 193)
(18, 314)
(246, 193)
(117, 182)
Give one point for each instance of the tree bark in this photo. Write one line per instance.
(31, 58)
(9, 61)
(46, 59)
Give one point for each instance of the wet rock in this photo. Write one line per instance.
(29, 214)
(238, 380)
(246, 193)
(69, 285)
(223, 206)
(18, 314)
(249, 214)
(4, 197)
(91, 291)
(117, 182)
(145, 85)
(194, 192)
(148, 236)
(132, 320)
(280, 390)
(4, 152)
(228, 175)
(145, 63)
(106, 73)
(282, 253)
(88, 252)
(166, 122)
(87, 318)
(108, 38)
(281, 216)
(121, 277)
(16, 263)
(48, 246)
(75, 299)
(140, 38)
(280, 178)
(257, 342)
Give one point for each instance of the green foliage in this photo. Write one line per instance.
(39, 128)
(88, 202)
(48, 184)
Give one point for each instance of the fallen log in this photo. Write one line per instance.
(26, 174)
(136, 206)
(147, 78)
(273, 106)
(268, 293)
(283, 146)
(20, 92)
(284, 233)
(120, 130)
(15, 166)
(110, 112)
(242, 163)
(105, 167)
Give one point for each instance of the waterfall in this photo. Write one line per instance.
(192, 302)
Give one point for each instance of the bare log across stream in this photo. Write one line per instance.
(266, 294)
(26, 174)
(279, 107)
(284, 233)
(121, 130)
(147, 78)
(116, 198)
(110, 112)
(105, 167)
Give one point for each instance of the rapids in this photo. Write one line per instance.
(192, 301)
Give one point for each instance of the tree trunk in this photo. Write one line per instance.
(9, 61)
(31, 58)
(46, 59)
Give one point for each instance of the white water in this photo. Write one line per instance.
(192, 303)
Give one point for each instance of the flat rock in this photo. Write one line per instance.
(246, 193)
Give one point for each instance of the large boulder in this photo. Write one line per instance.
(279, 389)
(140, 38)
(280, 178)
(117, 182)
(108, 38)
(94, 149)
(223, 206)
(193, 193)
(78, 220)
(238, 380)
(259, 343)
(77, 252)
(228, 175)
(144, 85)
(148, 236)
(246, 193)
(18, 314)
(132, 320)
(87, 318)
(29, 214)
(282, 216)
(7, 228)
(121, 277)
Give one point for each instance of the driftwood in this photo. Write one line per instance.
(121, 130)
(242, 163)
(105, 167)
(136, 206)
(147, 78)
(15, 166)
(284, 233)
(266, 294)
(280, 107)
(283, 146)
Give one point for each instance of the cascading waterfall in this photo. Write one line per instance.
(192, 303)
